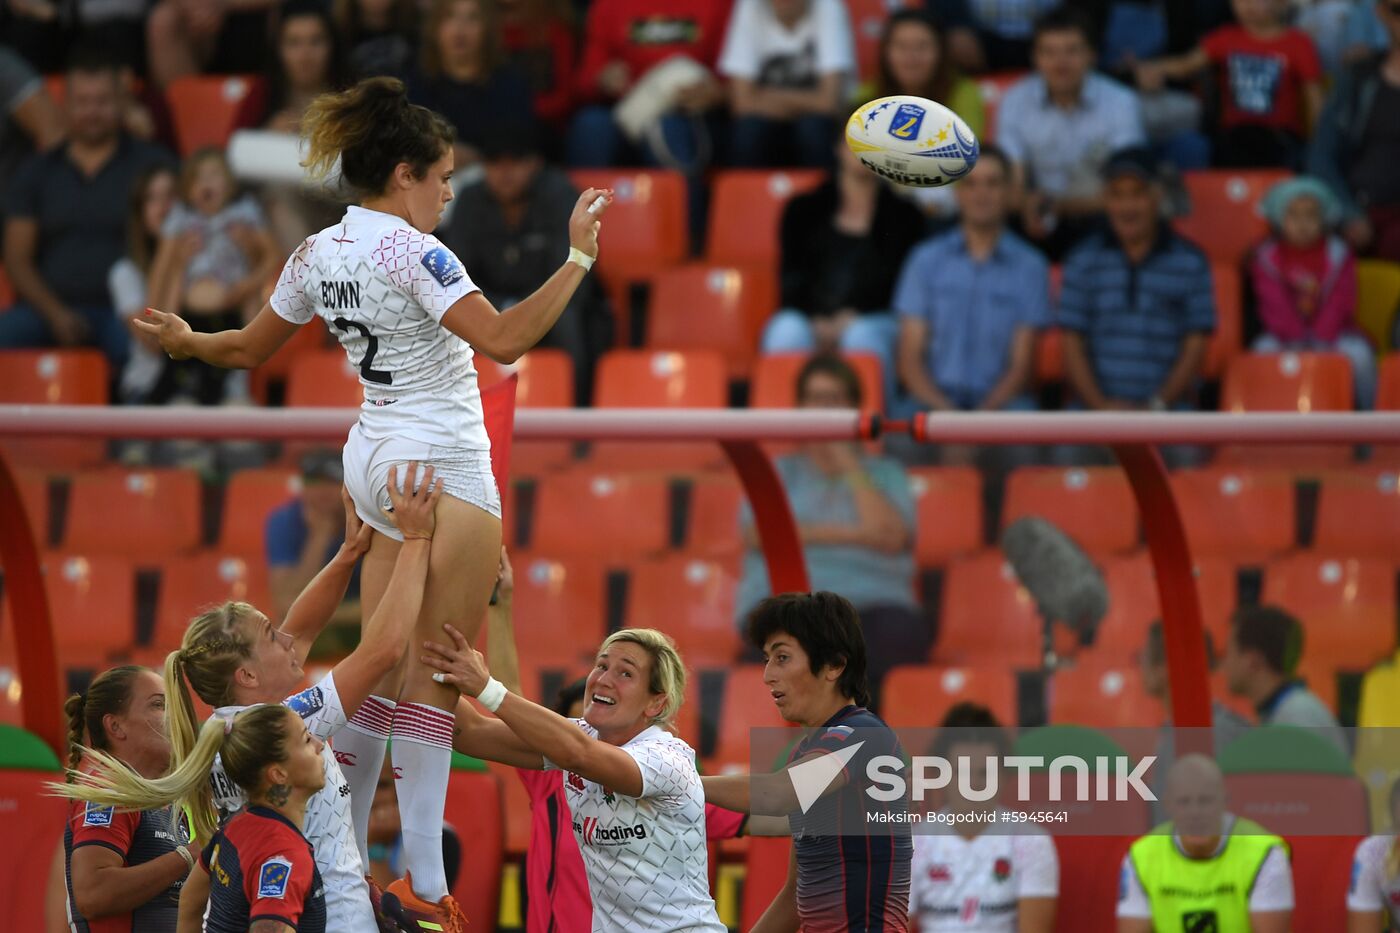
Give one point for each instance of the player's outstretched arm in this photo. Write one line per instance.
(541, 729)
(762, 794)
(313, 610)
(384, 637)
(251, 345)
(194, 897)
(504, 336)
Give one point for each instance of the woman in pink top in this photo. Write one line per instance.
(556, 887)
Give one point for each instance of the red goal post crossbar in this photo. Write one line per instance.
(1133, 437)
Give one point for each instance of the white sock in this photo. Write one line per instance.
(359, 748)
(423, 759)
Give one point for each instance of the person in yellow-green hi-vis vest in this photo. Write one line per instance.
(1205, 870)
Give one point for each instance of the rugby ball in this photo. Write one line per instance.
(912, 141)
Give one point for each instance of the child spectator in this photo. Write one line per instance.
(215, 257)
(379, 34)
(1270, 84)
(152, 197)
(1305, 282)
(539, 41)
(462, 74)
(788, 63)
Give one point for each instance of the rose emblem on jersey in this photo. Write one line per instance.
(1001, 869)
(940, 873)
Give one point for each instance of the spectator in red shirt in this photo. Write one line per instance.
(623, 41)
(1269, 76)
(538, 37)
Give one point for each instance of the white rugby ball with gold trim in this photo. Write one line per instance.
(912, 141)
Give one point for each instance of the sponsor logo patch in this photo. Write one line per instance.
(906, 121)
(94, 815)
(307, 703)
(443, 266)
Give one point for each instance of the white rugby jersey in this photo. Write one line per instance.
(968, 885)
(1373, 889)
(645, 856)
(328, 827)
(382, 288)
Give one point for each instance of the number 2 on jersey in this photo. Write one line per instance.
(367, 370)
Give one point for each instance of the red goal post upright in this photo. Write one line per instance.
(1133, 437)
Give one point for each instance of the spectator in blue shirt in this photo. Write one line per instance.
(1059, 125)
(1136, 305)
(855, 518)
(301, 536)
(969, 303)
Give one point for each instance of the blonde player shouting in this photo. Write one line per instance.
(637, 806)
(410, 319)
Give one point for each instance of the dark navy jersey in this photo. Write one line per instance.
(138, 838)
(261, 868)
(852, 871)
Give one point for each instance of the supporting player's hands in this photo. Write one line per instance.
(414, 509)
(460, 666)
(358, 535)
(169, 329)
(585, 224)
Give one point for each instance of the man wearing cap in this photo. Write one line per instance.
(1137, 304)
(301, 536)
(511, 229)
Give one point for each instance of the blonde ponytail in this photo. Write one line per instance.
(252, 740)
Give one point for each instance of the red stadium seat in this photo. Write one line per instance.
(691, 600)
(747, 704)
(584, 514)
(312, 336)
(34, 494)
(1225, 220)
(647, 226)
(474, 811)
(1358, 514)
(765, 873)
(324, 379)
(712, 529)
(1320, 674)
(1104, 697)
(1093, 505)
(546, 380)
(657, 379)
(948, 504)
(1226, 341)
(546, 377)
(712, 307)
(994, 88)
(1299, 803)
(1326, 864)
(157, 512)
(774, 383)
(1388, 396)
(1134, 604)
(208, 108)
(251, 496)
(919, 696)
(1049, 356)
(1346, 606)
(987, 616)
(1302, 382)
(189, 585)
(515, 809)
(560, 608)
(31, 822)
(1240, 515)
(54, 377)
(82, 590)
(746, 211)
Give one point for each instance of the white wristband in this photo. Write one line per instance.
(579, 256)
(492, 695)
